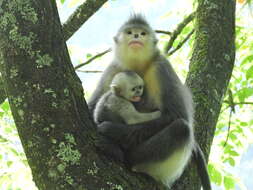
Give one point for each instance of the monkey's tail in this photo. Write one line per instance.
(199, 158)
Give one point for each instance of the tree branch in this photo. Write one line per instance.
(93, 58)
(177, 31)
(181, 43)
(163, 32)
(3, 95)
(239, 103)
(229, 126)
(81, 14)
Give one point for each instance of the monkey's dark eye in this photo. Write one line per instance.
(143, 33)
(133, 89)
(140, 87)
(129, 32)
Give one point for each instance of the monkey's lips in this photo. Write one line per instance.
(136, 99)
(135, 44)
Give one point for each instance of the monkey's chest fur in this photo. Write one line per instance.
(152, 93)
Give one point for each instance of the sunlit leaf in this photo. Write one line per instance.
(244, 93)
(9, 163)
(249, 73)
(230, 160)
(5, 106)
(243, 123)
(88, 55)
(229, 182)
(215, 175)
(14, 151)
(247, 59)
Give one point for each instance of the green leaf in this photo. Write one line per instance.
(243, 124)
(244, 93)
(230, 160)
(62, 1)
(232, 137)
(247, 59)
(14, 151)
(9, 163)
(5, 106)
(233, 153)
(8, 130)
(88, 55)
(215, 175)
(249, 73)
(2, 139)
(229, 182)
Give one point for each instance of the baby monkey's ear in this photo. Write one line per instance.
(115, 89)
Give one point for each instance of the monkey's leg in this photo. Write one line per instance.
(110, 148)
(162, 144)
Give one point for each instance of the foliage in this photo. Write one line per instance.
(226, 155)
(14, 171)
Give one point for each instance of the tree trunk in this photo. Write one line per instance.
(211, 67)
(49, 109)
(48, 106)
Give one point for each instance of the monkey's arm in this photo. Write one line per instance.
(103, 85)
(131, 135)
(142, 117)
(130, 115)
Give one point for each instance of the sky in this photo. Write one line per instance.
(96, 35)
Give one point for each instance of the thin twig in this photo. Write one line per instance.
(177, 31)
(181, 43)
(238, 103)
(229, 125)
(80, 16)
(163, 32)
(232, 110)
(92, 58)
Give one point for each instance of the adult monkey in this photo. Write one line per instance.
(161, 147)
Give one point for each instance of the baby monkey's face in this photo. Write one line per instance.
(134, 92)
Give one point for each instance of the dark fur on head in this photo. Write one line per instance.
(136, 20)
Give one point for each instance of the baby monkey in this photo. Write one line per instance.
(117, 104)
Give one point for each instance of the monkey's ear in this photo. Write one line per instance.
(115, 89)
(115, 38)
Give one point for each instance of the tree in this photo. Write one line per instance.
(50, 111)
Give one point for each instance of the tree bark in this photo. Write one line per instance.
(210, 71)
(48, 106)
(51, 115)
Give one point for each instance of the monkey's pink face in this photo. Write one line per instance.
(135, 38)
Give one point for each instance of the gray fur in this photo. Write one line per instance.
(160, 147)
(117, 108)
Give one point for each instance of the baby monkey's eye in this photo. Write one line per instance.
(140, 87)
(129, 32)
(133, 89)
(143, 33)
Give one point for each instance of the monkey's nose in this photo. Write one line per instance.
(136, 35)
